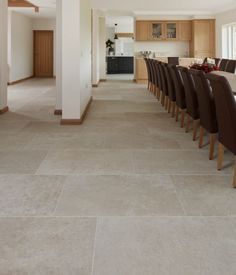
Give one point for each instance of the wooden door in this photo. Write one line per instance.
(43, 53)
(185, 30)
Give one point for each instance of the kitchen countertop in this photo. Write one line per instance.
(120, 56)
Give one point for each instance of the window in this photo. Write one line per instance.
(229, 41)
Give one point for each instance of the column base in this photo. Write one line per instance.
(58, 112)
(77, 121)
(4, 110)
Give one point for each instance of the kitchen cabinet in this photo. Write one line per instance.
(120, 65)
(171, 31)
(163, 30)
(142, 31)
(185, 30)
(156, 31)
(141, 75)
(203, 38)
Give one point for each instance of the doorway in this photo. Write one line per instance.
(43, 53)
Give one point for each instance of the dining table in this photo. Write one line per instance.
(230, 77)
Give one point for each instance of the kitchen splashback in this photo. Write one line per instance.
(178, 48)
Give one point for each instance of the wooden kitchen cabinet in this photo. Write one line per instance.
(163, 30)
(156, 31)
(141, 75)
(203, 38)
(142, 31)
(185, 30)
(171, 31)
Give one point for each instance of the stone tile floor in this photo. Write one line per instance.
(126, 193)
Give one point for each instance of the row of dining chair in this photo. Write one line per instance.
(206, 100)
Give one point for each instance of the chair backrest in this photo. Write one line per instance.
(179, 87)
(170, 83)
(158, 77)
(223, 64)
(153, 72)
(148, 69)
(190, 93)
(231, 66)
(225, 110)
(217, 61)
(206, 101)
(173, 61)
(163, 79)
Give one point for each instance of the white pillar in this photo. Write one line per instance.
(75, 59)
(3, 56)
(95, 49)
(102, 48)
(58, 108)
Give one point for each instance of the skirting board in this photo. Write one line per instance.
(4, 110)
(20, 80)
(77, 121)
(58, 112)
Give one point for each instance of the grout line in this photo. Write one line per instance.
(94, 247)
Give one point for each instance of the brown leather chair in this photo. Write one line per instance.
(165, 96)
(157, 79)
(231, 66)
(217, 61)
(191, 100)
(173, 61)
(148, 72)
(223, 64)
(179, 92)
(171, 90)
(226, 116)
(208, 121)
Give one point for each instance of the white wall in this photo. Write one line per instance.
(102, 48)
(164, 48)
(85, 53)
(223, 19)
(44, 24)
(20, 59)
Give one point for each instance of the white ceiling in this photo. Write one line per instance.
(47, 9)
(141, 7)
(168, 7)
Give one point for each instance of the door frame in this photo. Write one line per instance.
(34, 46)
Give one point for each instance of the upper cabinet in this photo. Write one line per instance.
(171, 30)
(185, 30)
(142, 31)
(156, 31)
(163, 30)
(203, 40)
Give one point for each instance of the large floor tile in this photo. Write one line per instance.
(101, 162)
(174, 162)
(29, 195)
(48, 246)
(20, 161)
(206, 195)
(165, 246)
(119, 196)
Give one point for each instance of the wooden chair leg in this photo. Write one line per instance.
(212, 146)
(235, 172)
(195, 128)
(158, 94)
(182, 118)
(220, 160)
(187, 124)
(173, 108)
(169, 105)
(177, 114)
(162, 99)
(201, 137)
(166, 102)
